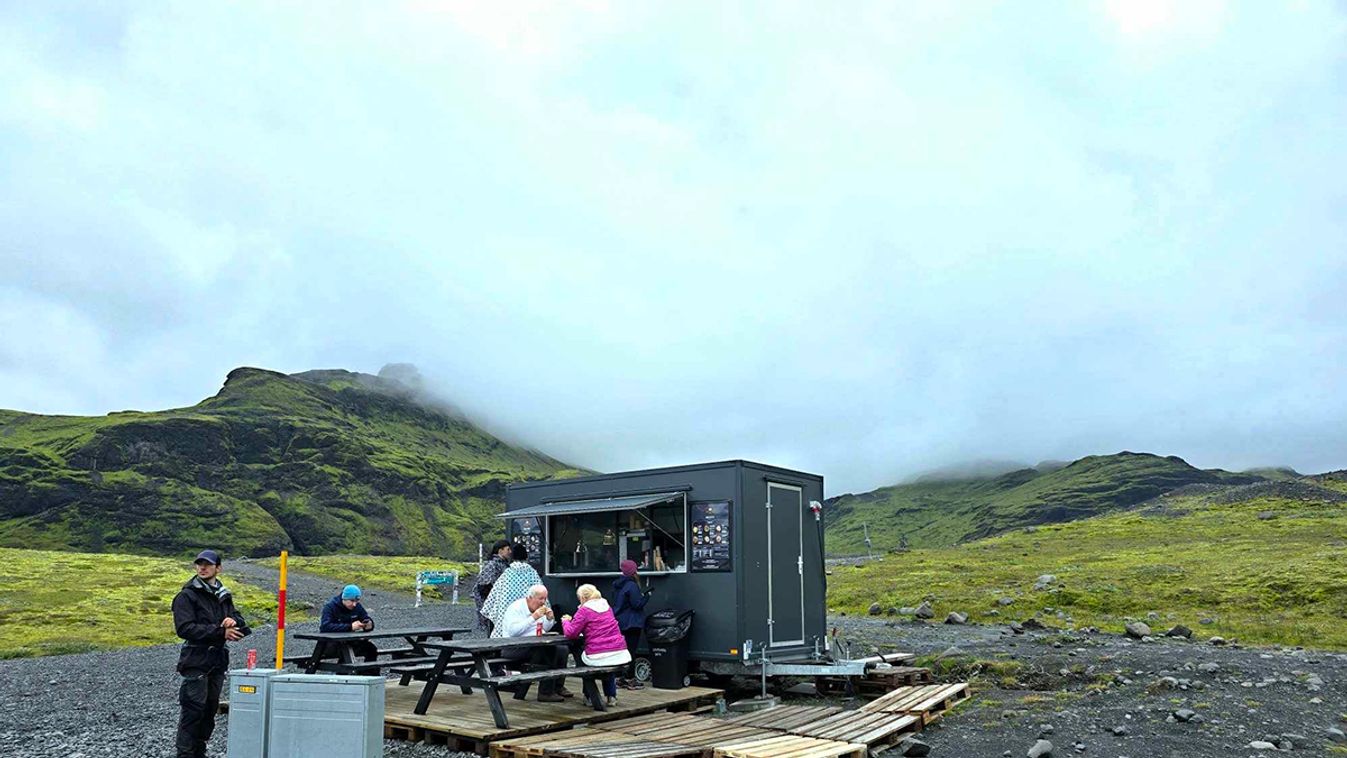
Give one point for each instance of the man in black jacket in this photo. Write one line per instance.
(205, 618)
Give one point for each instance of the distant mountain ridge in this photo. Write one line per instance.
(318, 462)
(936, 512)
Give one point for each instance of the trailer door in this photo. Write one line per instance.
(785, 565)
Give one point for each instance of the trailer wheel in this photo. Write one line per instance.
(641, 668)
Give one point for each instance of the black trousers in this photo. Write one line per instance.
(360, 649)
(199, 697)
(553, 657)
(633, 638)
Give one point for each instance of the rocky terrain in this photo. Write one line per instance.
(1095, 694)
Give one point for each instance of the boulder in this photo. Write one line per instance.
(1032, 623)
(924, 611)
(1044, 581)
(955, 617)
(1003, 601)
(1137, 629)
(1179, 630)
(876, 609)
(1336, 735)
(914, 747)
(1041, 749)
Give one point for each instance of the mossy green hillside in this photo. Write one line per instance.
(65, 602)
(940, 513)
(1263, 569)
(383, 572)
(335, 462)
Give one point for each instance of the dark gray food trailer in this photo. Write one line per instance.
(739, 543)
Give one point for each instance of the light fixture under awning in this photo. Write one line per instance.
(629, 503)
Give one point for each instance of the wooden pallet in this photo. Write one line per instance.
(698, 731)
(870, 728)
(875, 682)
(587, 742)
(463, 722)
(784, 717)
(792, 746)
(929, 701)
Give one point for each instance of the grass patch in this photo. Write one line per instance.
(57, 602)
(380, 572)
(1281, 580)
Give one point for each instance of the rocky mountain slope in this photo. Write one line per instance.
(320, 462)
(935, 513)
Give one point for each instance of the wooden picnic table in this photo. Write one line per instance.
(346, 663)
(452, 669)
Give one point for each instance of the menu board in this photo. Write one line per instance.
(711, 536)
(529, 533)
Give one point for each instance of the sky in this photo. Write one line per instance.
(863, 240)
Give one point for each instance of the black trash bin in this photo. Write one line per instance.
(666, 632)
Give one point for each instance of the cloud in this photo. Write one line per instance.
(864, 240)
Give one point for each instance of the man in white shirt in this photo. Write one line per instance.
(521, 619)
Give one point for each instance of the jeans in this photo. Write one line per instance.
(199, 697)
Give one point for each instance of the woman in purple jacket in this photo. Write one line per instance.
(604, 644)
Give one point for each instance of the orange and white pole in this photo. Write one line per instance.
(280, 614)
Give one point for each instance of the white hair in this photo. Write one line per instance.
(536, 590)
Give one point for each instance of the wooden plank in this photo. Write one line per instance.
(792, 746)
(783, 717)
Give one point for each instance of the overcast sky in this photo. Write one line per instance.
(862, 240)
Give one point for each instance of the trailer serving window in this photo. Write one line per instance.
(595, 536)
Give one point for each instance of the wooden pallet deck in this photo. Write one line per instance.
(588, 742)
(792, 746)
(875, 682)
(790, 731)
(684, 729)
(929, 701)
(463, 722)
(784, 717)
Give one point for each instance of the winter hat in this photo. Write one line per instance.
(350, 592)
(628, 567)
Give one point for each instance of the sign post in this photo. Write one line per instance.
(428, 578)
(280, 614)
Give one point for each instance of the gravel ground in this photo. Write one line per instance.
(1073, 689)
(1076, 689)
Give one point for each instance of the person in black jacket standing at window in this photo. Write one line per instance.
(205, 618)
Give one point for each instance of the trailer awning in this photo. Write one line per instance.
(629, 503)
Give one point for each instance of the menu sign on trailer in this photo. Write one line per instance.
(711, 536)
(529, 533)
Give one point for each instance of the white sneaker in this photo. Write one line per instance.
(612, 701)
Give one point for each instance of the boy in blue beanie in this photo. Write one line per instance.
(344, 613)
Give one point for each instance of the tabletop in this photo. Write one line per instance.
(495, 643)
(447, 631)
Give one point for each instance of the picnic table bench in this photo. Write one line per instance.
(475, 672)
(341, 644)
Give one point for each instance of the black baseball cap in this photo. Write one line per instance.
(209, 556)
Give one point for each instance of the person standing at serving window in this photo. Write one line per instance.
(629, 608)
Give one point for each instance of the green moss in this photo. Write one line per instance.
(391, 573)
(1277, 581)
(64, 602)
